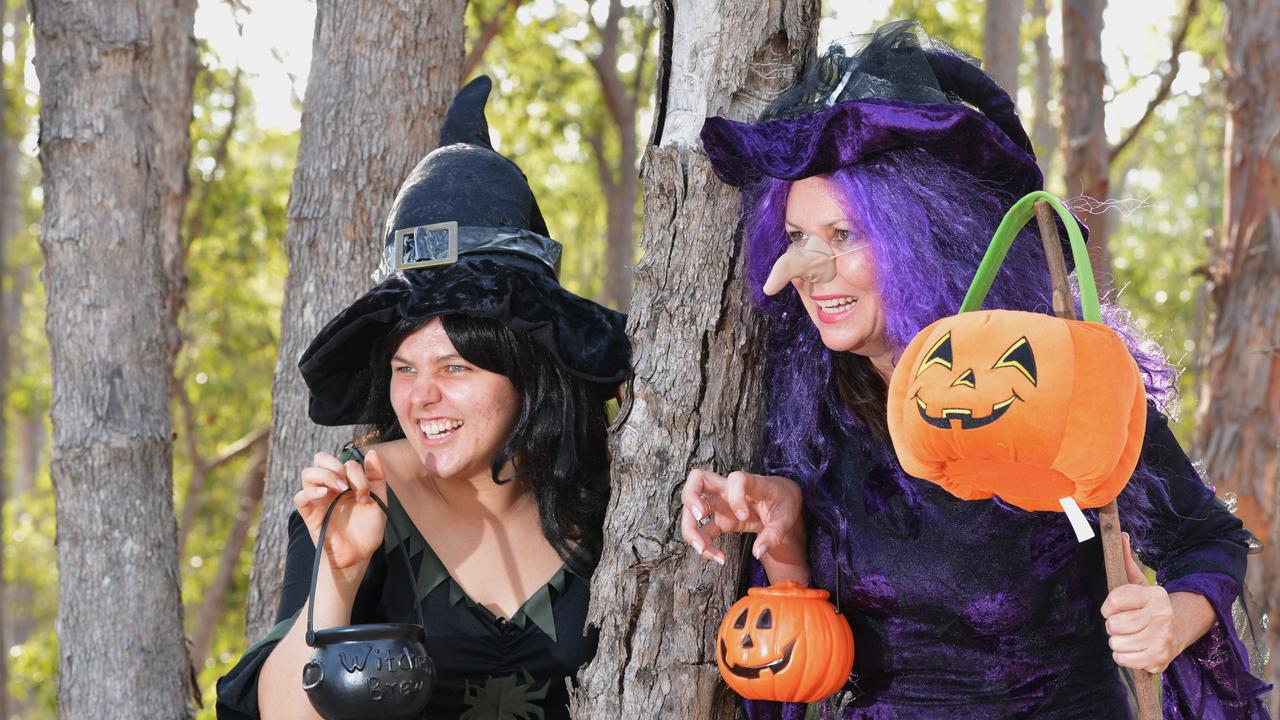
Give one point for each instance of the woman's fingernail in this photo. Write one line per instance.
(742, 514)
(697, 512)
(343, 486)
(718, 559)
(757, 551)
(697, 547)
(319, 491)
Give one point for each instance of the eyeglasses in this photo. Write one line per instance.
(813, 261)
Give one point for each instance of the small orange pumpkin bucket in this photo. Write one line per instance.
(784, 643)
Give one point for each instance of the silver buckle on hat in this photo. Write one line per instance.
(426, 246)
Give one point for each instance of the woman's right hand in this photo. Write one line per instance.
(767, 505)
(357, 526)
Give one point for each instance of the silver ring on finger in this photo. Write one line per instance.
(709, 517)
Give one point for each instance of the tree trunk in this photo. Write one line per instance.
(1087, 154)
(1240, 395)
(115, 91)
(34, 439)
(489, 30)
(618, 179)
(8, 221)
(211, 607)
(365, 125)
(1043, 133)
(620, 220)
(698, 382)
(1001, 50)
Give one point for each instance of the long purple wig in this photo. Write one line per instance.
(928, 224)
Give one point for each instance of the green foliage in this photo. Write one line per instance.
(30, 576)
(30, 558)
(1174, 167)
(547, 103)
(956, 22)
(230, 327)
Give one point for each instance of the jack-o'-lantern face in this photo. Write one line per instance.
(784, 643)
(1026, 407)
(753, 665)
(954, 392)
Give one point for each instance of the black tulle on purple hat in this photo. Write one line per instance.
(903, 89)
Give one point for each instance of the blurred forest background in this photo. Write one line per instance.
(573, 103)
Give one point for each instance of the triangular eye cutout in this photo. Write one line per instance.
(741, 622)
(765, 621)
(939, 354)
(1019, 356)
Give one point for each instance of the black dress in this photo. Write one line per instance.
(487, 667)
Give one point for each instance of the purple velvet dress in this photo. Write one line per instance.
(977, 610)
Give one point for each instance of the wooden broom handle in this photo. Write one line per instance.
(1145, 685)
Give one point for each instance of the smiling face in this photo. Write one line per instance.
(455, 415)
(1023, 406)
(953, 387)
(773, 662)
(786, 643)
(847, 309)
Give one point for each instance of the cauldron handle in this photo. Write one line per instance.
(315, 566)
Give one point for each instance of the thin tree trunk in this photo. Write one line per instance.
(1001, 49)
(8, 221)
(1087, 154)
(115, 90)
(35, 438)
(698, 384)
(1043, 132)
(489, 30)
(619, 179)
(365, 124)
(1240, 397)
(14, 600)
(212, 606)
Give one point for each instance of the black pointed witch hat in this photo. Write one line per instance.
(464, 236)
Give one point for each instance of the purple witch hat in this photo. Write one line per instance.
(903, 89)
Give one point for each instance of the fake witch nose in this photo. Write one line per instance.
(812, 261)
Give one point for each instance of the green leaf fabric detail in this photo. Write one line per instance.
(431, 571)
(504, 698)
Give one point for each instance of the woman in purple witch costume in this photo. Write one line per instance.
(898, 162)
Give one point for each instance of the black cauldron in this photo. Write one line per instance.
(367, 671)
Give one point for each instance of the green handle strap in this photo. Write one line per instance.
(1018, 215)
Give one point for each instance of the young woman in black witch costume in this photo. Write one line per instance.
(485, 382)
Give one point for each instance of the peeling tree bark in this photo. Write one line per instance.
(115, 92)
(696, 399)
(1239, 423)
(382, 75)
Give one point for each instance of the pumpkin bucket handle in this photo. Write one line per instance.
(1144, 685)
(1020, 214)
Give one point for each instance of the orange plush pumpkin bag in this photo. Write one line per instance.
(1035, 409)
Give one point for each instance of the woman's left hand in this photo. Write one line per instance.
(1140, 621)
